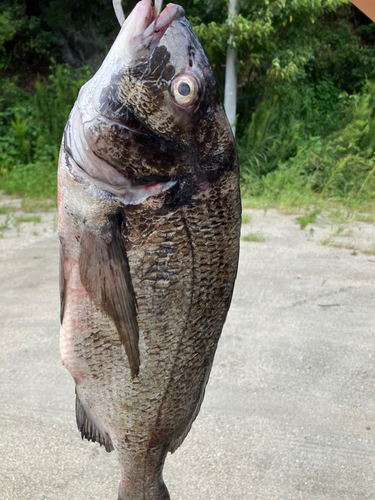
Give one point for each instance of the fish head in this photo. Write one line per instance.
(164, 75)
(152, 111)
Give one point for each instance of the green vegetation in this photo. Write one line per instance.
(31, 127)
(27, 218)
(5, 224)
(309, 217)
(306, 74)
(257, 237)
(6, 209)
(245, 218)
(337, 166)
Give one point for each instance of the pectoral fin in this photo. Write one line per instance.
(105, 274)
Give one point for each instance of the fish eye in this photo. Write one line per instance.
(184, 90)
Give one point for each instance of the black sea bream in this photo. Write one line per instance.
(149, 224)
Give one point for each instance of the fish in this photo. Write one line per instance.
(149, 216)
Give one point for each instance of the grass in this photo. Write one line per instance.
(337, 244)
(336, 231)
(245, 218)
(364, 217)
(32, 181)
(6, 209)
(332, 167)
(348, 246)
(257, 237)
(31, 127)
(6, 224)
(30, 205)
(27, 218)
(309, 217)
(341, 215)
(12, 220)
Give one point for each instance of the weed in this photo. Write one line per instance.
(309, 217)
(364, 217)
(339, 215)
(335, 231)
(257, 237)
(335, 166)
(337, 244)
(27, 218)
(6, 223)
(38, 205)
(31, 128)
(246, 218)
(6, 209)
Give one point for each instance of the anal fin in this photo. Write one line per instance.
(88, 429)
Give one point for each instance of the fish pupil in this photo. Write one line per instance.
(184, 89)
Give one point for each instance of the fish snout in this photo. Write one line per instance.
(153, 30)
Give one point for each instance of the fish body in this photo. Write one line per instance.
(149, 222)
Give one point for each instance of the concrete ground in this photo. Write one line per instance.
(290, 406)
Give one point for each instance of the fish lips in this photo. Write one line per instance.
(144, 44)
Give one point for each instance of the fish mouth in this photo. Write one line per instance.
(152, 23)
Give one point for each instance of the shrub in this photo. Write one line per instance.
(31, 128)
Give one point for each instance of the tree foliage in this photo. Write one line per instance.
(302, 67)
